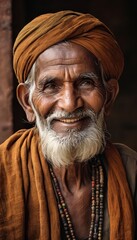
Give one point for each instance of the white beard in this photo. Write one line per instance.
(76, 146)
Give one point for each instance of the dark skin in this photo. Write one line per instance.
(64, 82)
(75, 185)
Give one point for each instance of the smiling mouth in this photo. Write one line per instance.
(69, 120)
(62, 125)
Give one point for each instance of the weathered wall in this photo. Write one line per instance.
(6, 123)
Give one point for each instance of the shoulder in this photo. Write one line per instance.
(15, 147)
(128, 155)
(126, 152)
(17, 139)
(129, 159)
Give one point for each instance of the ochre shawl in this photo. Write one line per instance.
(28, 208)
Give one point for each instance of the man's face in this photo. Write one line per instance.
(68, 101)
(67, 79)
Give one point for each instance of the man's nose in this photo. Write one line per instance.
(70, 99)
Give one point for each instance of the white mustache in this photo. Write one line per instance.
(77, 114)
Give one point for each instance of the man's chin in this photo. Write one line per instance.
(66, 131)
(62, 150)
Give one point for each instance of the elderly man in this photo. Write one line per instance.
(63, 178)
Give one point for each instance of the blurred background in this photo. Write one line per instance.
(119, 15)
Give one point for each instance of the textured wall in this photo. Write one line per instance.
(6, 123)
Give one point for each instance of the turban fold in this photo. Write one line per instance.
(49, 29)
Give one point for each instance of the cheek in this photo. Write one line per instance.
(42, 104)
(94, 100)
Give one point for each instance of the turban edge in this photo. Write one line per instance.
(49, 29)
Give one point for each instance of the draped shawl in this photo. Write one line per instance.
(28, 208)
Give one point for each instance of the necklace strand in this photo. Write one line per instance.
(97, 203)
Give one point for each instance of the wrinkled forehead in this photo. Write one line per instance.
(66, 53)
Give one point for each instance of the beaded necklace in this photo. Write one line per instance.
(97, 203)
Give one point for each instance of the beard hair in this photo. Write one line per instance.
(76, 146)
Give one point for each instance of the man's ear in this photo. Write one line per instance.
(23, 98)
(112, 91)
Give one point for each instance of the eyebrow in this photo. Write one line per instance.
(46, 79)
(91, 75)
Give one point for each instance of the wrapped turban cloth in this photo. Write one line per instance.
(83, 29)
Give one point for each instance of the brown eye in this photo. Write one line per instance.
(86, 83)
(50, 85)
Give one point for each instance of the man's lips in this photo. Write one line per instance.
(69, 120)
(62, 125)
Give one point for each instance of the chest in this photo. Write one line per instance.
(78, 206)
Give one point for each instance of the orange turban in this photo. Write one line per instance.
(83, 29)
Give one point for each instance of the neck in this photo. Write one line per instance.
(73, 177)
(78, 187)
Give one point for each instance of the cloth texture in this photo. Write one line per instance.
(28, 208)
(49, 29)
